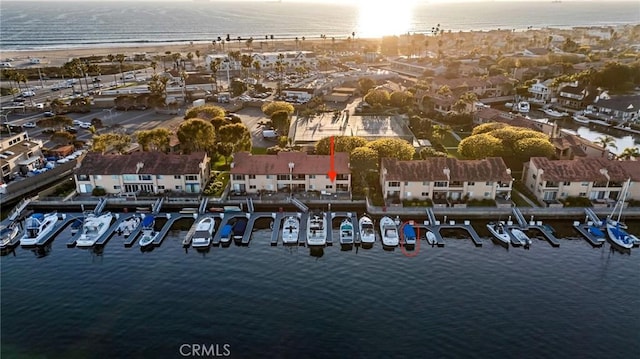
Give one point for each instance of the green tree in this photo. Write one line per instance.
(214, 66)
(205, 112)
(629, 153)
(281, 121)
(444, 90)
(427, 152)
(480, 146)
(488, 127)
(400, 98)
(392, 148)
(272, 107)
(158, 90)
(196, 135)
(120, 58)
(606, 142)
(340, 144)
(235, 134)
(62, 138)
(379, 97)
(363, 159)
(125, 102)
(57, 122)
(116, 141)
(533, 147)
(365, 85)
(154, 140)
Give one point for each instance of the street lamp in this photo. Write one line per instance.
(291, 165)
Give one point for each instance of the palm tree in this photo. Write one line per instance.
(214, 66)
(605, 142)
(154, 65)
(120, 58)
(629, 153)
(257, 67)
(176, 56)
(190, 57)
(198, 54)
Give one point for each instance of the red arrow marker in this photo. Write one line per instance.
(332, 171)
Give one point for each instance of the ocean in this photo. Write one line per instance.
(458, 301)
(56, 25)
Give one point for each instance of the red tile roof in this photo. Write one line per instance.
(432, 169)
(586, 169)
(246, 163)
(154, 163)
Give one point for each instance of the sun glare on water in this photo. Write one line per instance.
(378, 18)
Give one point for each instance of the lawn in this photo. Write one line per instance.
(258, 151)
(218, 164)
(449, 140)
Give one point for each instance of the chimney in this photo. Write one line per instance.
(139, 166)
(447, 172)
(605, 173)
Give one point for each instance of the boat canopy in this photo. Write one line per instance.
(409, 231)
(226, 230)
(239, 227)
(148, 221)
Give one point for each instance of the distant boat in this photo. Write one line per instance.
(431, 238)
(93, 228)
(37, 226)
(581, 119)
(76, 225)
(148, 232)
(523, 107)
(498, 231)
(8, 234)
(389, 232)
(125, 228)
(346, 231)
(367, 233)
(615, 229)
(226, 232)
(553, 113)
(204, 233)
(290, 230)
(317, 229)
(409, 234)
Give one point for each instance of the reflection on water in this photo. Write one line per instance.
(592, 132)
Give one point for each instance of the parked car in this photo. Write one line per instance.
(71, 129)
(49, 114)
(270, 134)
(29, 125)
(85, 125)
(28, 93)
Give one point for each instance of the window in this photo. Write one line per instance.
(311, 187)
(394, 184)
(252, 186)
(252, 176)
(312, 176)
(489, 183)
(425, 194)
(158, 176)
(342, 177)
(81, 177)
(160, 187)
(116, 187)
(406, 183)
(97, 177)
(329, 186)
(114, 177)
(238, 177)
(533, 176)
(471, 183)
(566, 183)
(191, 178)
(487, 194)
(177, 177)
(441, 184)
(582, 194)
(584, 184)
(129, 177)
(283, 177)
(425, 184)
(144, 177)
(179, 188)
(268, 176)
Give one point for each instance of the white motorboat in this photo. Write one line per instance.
(553, 113)
(367, 233)
(129, 225)
(8, 234)
(317, 229)
(521, 237)
(346, 231)
(204, 233)
(290, 230)
(149, 233)
(389, 232)
(498, 231)
(431, 238)
(581, 119)
(93, 228)
(37, 226)
(523, 107)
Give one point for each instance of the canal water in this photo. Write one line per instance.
(574, 301)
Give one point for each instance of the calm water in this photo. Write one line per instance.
(46, 25)
(458, 301)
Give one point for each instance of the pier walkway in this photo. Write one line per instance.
(466, 225)
(225, 218)
(520, 218)
(172, 218)
(593, 239)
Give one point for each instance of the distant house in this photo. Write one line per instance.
(569, 146)
(289, 171)
(443, 179)
(15, 149)
(540, 91)
(153, 172)
(576, 96)
(621, 108)
(598, 179)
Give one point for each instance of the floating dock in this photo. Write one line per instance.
(596, 241)
(466, 226)
(546, 232)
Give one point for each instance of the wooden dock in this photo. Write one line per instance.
(167, 226)
(547, 234)
(466, 226)
(583, 229)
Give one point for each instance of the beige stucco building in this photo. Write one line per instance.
(445, 179)
(598, 179)
(153, 172)
(297, 171)
(19, 153)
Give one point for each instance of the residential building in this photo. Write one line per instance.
(267, 60)
(598, 179)
(289, 171)
(445, 179)
(621, 108)
(19, 154)
(569, 146)
(576, 96)
(153, 172)
(540, 91)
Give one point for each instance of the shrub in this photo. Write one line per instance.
(98, 191)
(576, 202)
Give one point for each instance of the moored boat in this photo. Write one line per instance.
(367, 233)
(581, 119)
(290, 230)
(204, 233)
(93, 228)
(553, 113)
(37, 226)
(346, 231)
(317, 229)
(148, 232)
(8, 234)
(523, 107)
(239, 226)
(389, 232)
(615, 228)
(498, 231)
(521, 237)
(226, 233)
(431, 238)
(409, 234)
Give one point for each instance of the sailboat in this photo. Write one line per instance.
(616, 229)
